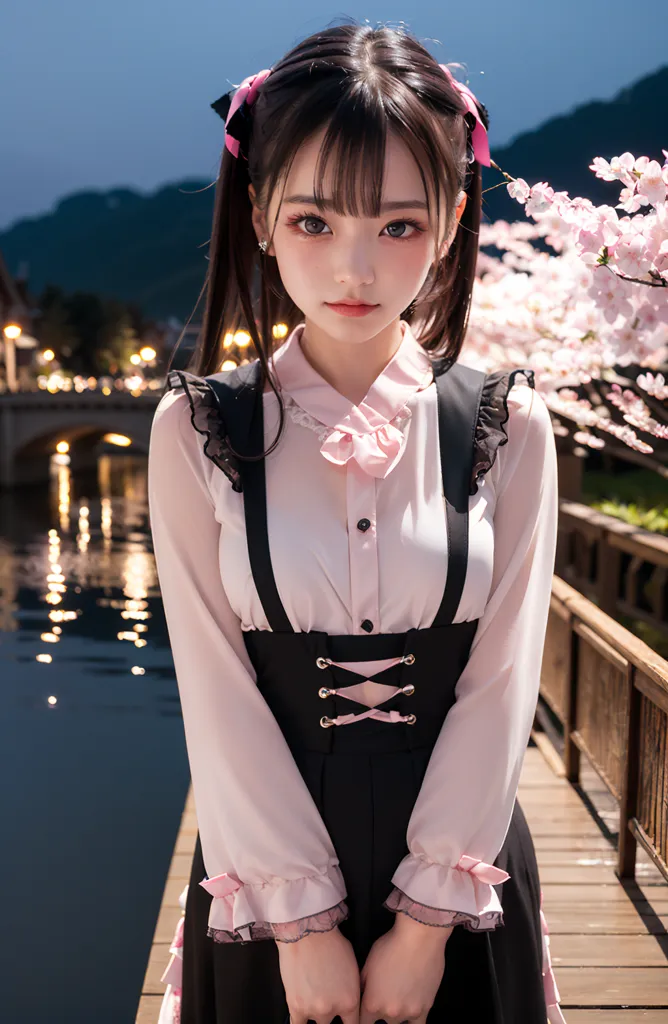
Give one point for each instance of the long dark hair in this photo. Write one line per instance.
(360, 82)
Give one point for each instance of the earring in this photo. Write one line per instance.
(263, 245)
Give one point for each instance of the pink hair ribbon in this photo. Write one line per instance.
(479, 138)
(233, 107)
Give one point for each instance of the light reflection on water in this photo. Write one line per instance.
(94, 768)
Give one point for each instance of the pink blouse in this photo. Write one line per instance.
(271, 863)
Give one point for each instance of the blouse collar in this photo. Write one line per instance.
(409, 370)
(361, 432)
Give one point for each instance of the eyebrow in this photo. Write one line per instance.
(328, 204)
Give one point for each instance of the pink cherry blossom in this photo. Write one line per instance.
(631, 200)
(540, 199)
(653, 385)
(519, 190)
(651, 184)
(632, 257)
(596, 303)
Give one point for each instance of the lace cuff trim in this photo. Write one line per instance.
(286, 931)
(399, 902)
(490, 432)
(207, 420)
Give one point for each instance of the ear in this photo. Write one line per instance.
(461, 206)
(259, 219)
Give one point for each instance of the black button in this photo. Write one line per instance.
(367, 625)
(363, 525)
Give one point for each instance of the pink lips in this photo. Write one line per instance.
(347, 309)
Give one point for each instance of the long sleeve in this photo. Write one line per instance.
(465, 804)
(271, 866)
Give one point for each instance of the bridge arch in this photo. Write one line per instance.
(31, 423)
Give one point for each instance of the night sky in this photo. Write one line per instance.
(105, 95)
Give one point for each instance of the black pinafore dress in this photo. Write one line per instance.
(365, 777)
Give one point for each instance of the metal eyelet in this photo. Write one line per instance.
(409, 689)
(409, 659)
(411, 720)
(325, 722)
(324, 692)
(322, 662)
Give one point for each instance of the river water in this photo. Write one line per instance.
(94, 768)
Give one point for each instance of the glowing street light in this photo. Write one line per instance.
(119, 439)
(11, 332)
(48, 355)
(135, 359)
(62, 447)
(147, 353)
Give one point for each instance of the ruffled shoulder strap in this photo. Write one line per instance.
(207, 417)
(490, 432)
(208, 420)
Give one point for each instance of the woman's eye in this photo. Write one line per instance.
(401, 224)
(397, 229)
(310, 220)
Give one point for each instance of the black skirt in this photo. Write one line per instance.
(490, 977)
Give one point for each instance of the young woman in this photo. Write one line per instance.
(355, 538)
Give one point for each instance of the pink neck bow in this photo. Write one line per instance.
(376, 452)
(479, 139)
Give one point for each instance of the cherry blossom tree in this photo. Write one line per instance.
(579, 293)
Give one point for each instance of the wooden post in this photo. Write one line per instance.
(628, 844)
(571, 750)
(607, 573)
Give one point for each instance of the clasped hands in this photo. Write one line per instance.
(402, 972)
(397, 984)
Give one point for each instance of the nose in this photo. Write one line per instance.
(353, 265)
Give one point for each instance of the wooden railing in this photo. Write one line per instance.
(622, 568)
(609, 691)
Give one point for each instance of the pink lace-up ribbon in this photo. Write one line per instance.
(382, 716)
(376, 452)
(375, 712)
(552, 997)
(173, 974)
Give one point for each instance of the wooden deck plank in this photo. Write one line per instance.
(594, 919)
(612, 986)
(608, 951)
(631, 1015)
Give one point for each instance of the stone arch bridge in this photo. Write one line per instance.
(32, 422)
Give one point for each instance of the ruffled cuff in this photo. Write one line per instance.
(244, 913)
(465, 893)
(490, 430)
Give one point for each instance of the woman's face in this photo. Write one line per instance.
(323, 257)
